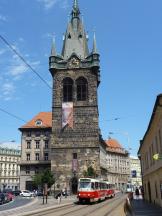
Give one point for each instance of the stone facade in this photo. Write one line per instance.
(150, 145)
(74, 148)
(9, 168)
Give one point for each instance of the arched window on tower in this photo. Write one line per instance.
(67, 90)
(82, 89)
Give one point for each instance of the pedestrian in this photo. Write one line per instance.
(58, 197)
(142, 192)
(137, 193)
(65, 192)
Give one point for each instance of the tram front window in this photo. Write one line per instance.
(85, 185)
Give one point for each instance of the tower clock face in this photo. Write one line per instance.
(74, 62)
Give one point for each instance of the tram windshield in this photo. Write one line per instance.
(85, 184)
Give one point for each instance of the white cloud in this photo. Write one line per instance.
(7, 90)
(48, 4)
(18, 70)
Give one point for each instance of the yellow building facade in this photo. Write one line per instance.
(150, 146)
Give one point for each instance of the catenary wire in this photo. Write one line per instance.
(22, 58)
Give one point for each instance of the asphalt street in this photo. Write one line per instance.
(17, 202)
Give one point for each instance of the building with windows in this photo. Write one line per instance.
(118, 164)
(135, 172)
(150, 154)
(9, 168)
(35, 146)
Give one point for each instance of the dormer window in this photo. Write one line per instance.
(38, 122)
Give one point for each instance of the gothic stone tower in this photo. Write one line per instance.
(75, 141)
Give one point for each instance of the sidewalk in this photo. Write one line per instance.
(142, 207)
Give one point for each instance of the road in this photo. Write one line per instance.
(17, 202)
(105, 208)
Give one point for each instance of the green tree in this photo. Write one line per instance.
(45, 177)
(90, 172)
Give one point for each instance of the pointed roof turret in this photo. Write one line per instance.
(53, 49)
(75, 36)
(94, 50)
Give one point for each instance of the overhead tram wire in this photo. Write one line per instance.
(26, 63)
(17, 117)
(12, 115)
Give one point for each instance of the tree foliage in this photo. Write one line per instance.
(90, 172)
(45, 177)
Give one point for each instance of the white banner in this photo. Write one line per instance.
(67, 114)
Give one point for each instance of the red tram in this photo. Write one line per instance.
(93, 190)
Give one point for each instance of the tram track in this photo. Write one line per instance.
(115, 202)
(106, 207)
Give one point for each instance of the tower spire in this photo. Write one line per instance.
(53, 48)
(75, 5)
(75, 11)
(94, 50)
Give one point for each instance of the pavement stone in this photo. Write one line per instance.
(144, 208)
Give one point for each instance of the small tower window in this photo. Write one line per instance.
(67, 90)
(69, 36)
(80, 35)
(82, 89)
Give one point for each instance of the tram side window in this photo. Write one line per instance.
(101, 185)
(96, 185)
(92, 185)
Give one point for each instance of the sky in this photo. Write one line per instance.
(129, 41)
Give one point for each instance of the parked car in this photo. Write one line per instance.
(39, 193)
(8, 190)
(16, 192)
(2, 198)
(26, 193)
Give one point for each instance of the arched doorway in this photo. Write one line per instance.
(149, 192)
(74, 185)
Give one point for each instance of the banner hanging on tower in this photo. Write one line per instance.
(67, 114)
